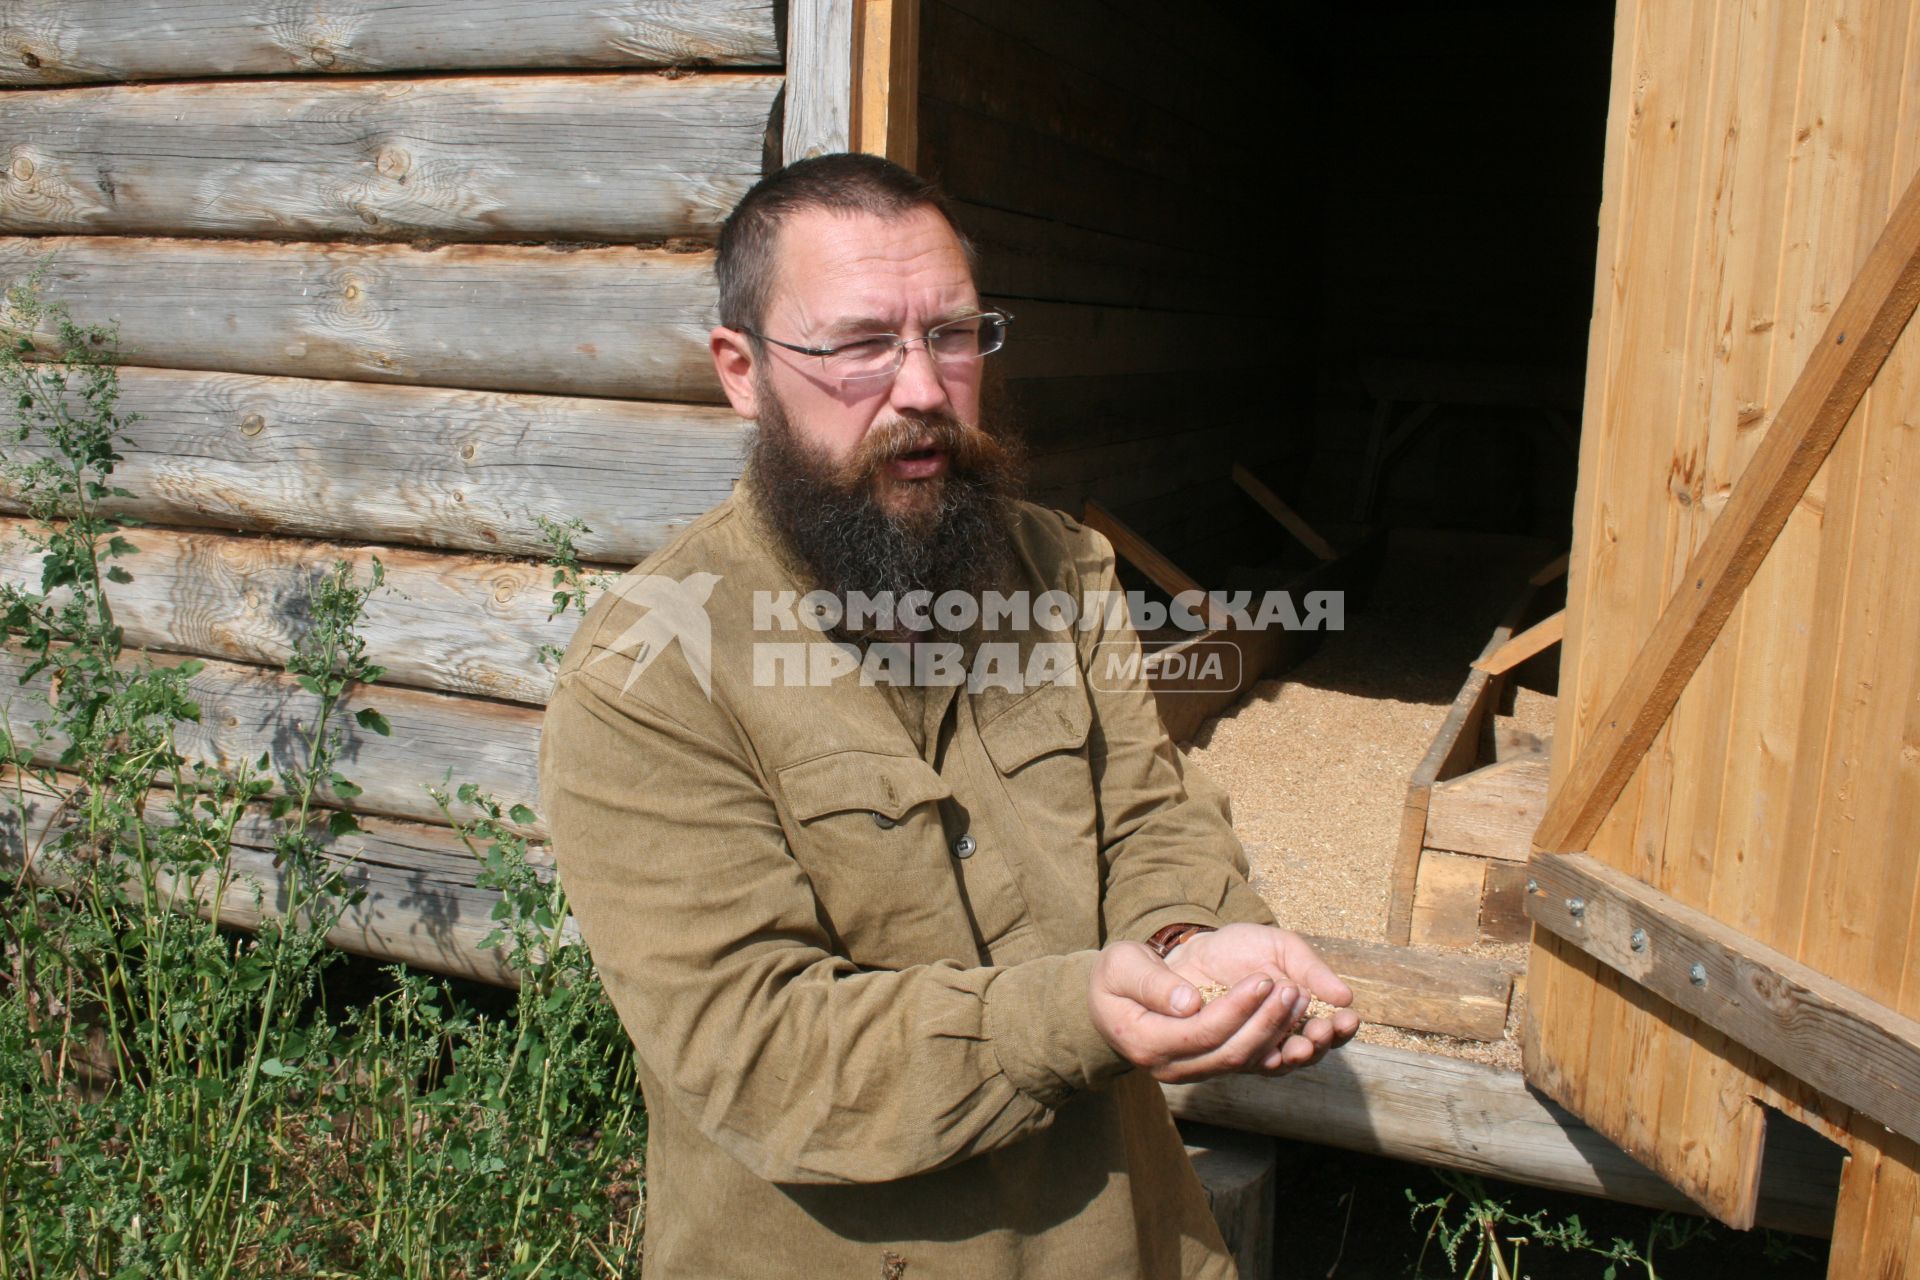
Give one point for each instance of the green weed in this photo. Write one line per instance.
(183, 1099)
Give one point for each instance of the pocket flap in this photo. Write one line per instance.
(1050, 718)
(843, 781)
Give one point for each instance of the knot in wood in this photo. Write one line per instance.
(467, 451)
(322, 56)
(252, 425)
(393, 162)
(22, 168)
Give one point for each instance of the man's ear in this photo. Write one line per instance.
(733, 361)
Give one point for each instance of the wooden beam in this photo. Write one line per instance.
(820, 78)
(613, 321)
(1492, 812)
(450, 623)
(1145, 557)
(1290, 519)
(246, 710)
(1535, 639)
(1552, 569)
(1864, 327)
(1853, 1049)
(422, 465)
(887, 80)
(421, 905)
(1457, 995)
(1455, 1114)
(606, 157)
(70, 41)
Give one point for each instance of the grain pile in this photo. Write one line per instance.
(1317, 762)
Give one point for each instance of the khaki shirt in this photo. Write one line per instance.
(859, 1049)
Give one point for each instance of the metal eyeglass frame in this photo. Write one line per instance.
(900, 346)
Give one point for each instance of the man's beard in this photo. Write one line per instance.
(949, 533)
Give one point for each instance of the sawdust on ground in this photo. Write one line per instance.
(1317, 762)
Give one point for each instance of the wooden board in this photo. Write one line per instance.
(1851, 1048)
(419, 465)
(1535, 639)
(1455, 1114)
(450, 623)
(1446, 900)
(1491, 812)
(609, 157)
(605, 322)
(820, 80)
(422, 906)
(247, 710)
(1860, 335)
(886, 109)
(1465, 996)
(1778, 786)
(1288, 518)
(66, 41)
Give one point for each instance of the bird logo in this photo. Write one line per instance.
(676, 609)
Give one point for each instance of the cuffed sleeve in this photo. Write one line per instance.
(1168, 850)
(800, 1065)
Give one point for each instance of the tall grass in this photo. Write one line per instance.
(186, 1100)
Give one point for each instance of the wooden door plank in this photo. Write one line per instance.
(1851, 1048)
(1857, 340)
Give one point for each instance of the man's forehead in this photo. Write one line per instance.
(854, 262)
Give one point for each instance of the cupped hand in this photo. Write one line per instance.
(1228, 956)
(1156, 1019)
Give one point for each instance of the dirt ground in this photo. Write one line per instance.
(1317, 761)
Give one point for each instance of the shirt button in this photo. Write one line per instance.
(882, 821)
(964, 847)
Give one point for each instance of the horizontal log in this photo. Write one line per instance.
(420, 465)
(451, 623)
(421, 906)
(1455, 995)
(68, 41)
(1492, 811)
(1455, 1114)
(616, 321)
(245, 711)
(1850, 1047)
(612, 157)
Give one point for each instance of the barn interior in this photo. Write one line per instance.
(1354, 269)
(1391, 204)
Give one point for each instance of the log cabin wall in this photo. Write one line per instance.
(390, 280)
(1099, 156)
(1755, 152)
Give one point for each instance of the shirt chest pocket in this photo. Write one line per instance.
(866, 829)
(1040, 749)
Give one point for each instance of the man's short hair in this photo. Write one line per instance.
(844, 182)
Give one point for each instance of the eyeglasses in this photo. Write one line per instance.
(880, 355)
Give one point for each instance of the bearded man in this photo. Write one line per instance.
(903, 959)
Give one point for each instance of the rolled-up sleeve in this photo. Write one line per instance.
(708, 939)
(1168, 851)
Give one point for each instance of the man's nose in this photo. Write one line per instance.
(918, 386)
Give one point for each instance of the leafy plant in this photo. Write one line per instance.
(185, 1099)
(1496, 1234)
(573, 586)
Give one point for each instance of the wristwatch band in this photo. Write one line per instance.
(1170, 936)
